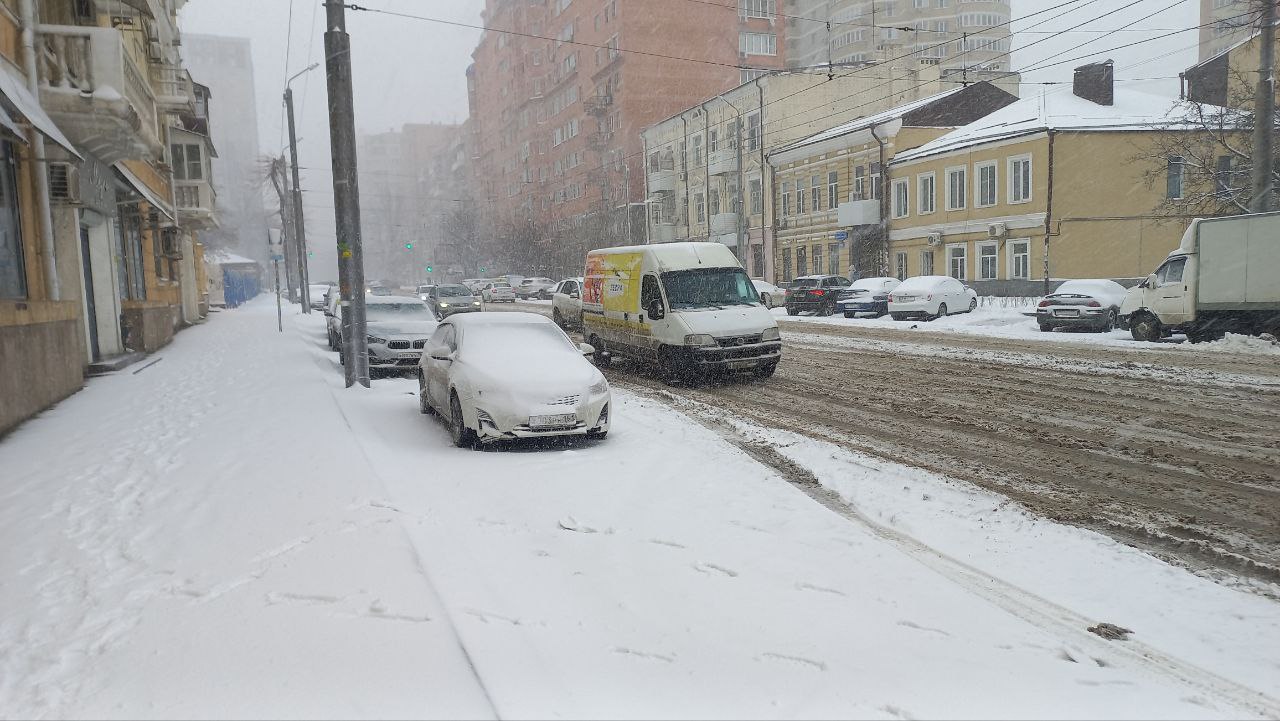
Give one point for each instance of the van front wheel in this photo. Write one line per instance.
(601, 357)
(1145, 328)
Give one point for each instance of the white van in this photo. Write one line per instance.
(685, 307)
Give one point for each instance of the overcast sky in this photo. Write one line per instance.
(411, 71)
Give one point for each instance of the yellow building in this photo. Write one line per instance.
(829, 186)
(1052, 187)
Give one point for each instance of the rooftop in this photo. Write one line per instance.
(868, 121)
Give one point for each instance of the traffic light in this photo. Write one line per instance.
(408, 246)
(482, 270)
(311, 254)
(429, 269)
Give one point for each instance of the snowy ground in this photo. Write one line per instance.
(229, 532)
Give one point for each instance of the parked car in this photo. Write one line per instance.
(1090, 304)
(866, 295)
(928, 297)
(566, 303)
(317, 292)
(333, 319)
(511, 279)
(503, 376)
(397, 330)
(815, 293)
(770, 295)
(445, 300)
(539, 288)
(497, 292)
(474, 284)
(423, 291)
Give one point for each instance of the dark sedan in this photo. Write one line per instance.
(1085, 304)
(445, 300)
(815, 293)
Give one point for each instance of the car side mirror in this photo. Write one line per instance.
(587, 349)
(442, 354)
(1150, 282)
(656, 311)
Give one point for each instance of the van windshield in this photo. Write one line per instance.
(708, 288)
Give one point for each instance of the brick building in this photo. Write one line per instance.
(556, 120)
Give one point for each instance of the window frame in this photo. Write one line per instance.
(921, 178)
(900, 265)
(904, 210)
(964, 258)
(1012, 258)
(963, 171)
(1030, 178)
(10, 198)
(927, 264)
(977, 184)
(994, 257)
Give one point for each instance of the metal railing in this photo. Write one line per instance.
(95, 63)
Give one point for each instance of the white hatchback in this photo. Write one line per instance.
(928, 297)
(504, 376)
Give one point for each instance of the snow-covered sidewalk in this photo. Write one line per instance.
(229, 532)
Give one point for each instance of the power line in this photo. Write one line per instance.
(1094, 40)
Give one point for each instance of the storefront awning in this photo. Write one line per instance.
(15, 91)
(147, 193)
(8, 123)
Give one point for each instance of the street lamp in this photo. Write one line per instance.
(300, 227)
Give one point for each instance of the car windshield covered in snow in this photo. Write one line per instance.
(709, 288)
(408, 310)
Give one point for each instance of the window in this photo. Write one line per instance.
(786, 199)
(753, 131)
(129, 230)
(859, 183)
(833, 258)
(900, 265)
(925, 193)
(1173, 180)
(1171, 272)
(649, 293)
(1020, 179)
(1020, 259)
(833, 189)
(1222, 175)
(757, 197)
(786, 264)
(957, 263)
(697, 150)
(757, 43)
(757, 8)
(187, 161)
(988, 261)
(757, 260)
(713, 140)
(876, 190)
(800, 197)
(926, 262)
(957, 184)
(713, 200)
(815, 192)
(13, 270)
(987, 184)
(900, 198)
(802, 264)
(817, 260)
(700, 204)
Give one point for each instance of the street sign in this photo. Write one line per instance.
(842, 235)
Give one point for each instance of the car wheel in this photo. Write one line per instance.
(825, 310)
(1145, 328)
(766, 371)
(942, 311)
(792, 311)
(601, 357)
(973, 304)
(424, 405)
(1110, 325)
(670, 368)
(463, 437)
(1046, 328)
(849, 314)
(557, 318)
(897, 316)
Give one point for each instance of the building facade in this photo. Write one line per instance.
(556, 119)
(1223, 24)
(960, 36)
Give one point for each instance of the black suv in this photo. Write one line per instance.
(815, 293)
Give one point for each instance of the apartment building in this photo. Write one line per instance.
(556, 119)
(960, 36)
(1052, 187)
(830, 186)
(104, 191)
(1223, 24)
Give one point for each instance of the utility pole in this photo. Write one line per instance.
(299, 225)
(1264, 111)
(346, 193)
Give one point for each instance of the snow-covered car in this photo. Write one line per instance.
(816, 293)
(539, 288)
(504, 376)
(317, 292)
(929, 297)
(1089, 304)
(333, 319)
(566, 303)
(770, 295)
(397, 330)
(423, 291)
(445, 300)
(497, 292)
(475, 284)
(868, 296)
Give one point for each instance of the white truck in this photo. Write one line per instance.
(1223, 277)
(687, 308)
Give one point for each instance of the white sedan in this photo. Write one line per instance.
(504, 376)
(929, 297)
(499, 292)
(770, 295)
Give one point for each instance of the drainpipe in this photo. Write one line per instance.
(40, 160)
(765, 238)
(1048, 212)
(684, 167)
(884, 204)
(648, 220)
(706, 166)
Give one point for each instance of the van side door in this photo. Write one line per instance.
(655, 324)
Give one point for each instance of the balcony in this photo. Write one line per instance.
(95, 92)
(196, 201)
(724, 224)
(722, 161)
(173, 88)
(662, 181)
(858, 212)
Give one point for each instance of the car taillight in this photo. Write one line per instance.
(1094, 304)
(818, 292)
(1045, 304)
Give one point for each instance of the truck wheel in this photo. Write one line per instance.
(792, 311)
(671, 370)
(601, 357)
(897, 316)
(766, 371)
(1145, 328)
(557, 318)
(1046, 328)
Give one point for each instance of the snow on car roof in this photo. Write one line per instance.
(924, 281)
(391, 300)
(496, 318)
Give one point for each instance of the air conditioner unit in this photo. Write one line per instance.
(997, 230)
(64, 183)
(935, 238)
(154, 51)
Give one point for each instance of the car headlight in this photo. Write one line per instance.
(444, 305)
(600, 386)
(771, 334)
(475, 302)
(699, 339)
(375, 340)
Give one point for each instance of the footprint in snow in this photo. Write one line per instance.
(918, 627)
(569, 523)
(819, 589)
(800, 660)
(645, 655)
(713, 569)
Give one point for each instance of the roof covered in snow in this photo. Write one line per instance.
(226, 257)
(1058, 109)
(868, 121)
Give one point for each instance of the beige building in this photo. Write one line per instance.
(1049, 188)
(1223, 24)
(829, 186)
(707, 173)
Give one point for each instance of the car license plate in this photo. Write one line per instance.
(1068, 313)
(554, 421)
(740, 365)
(410, 356)
(905, 298)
